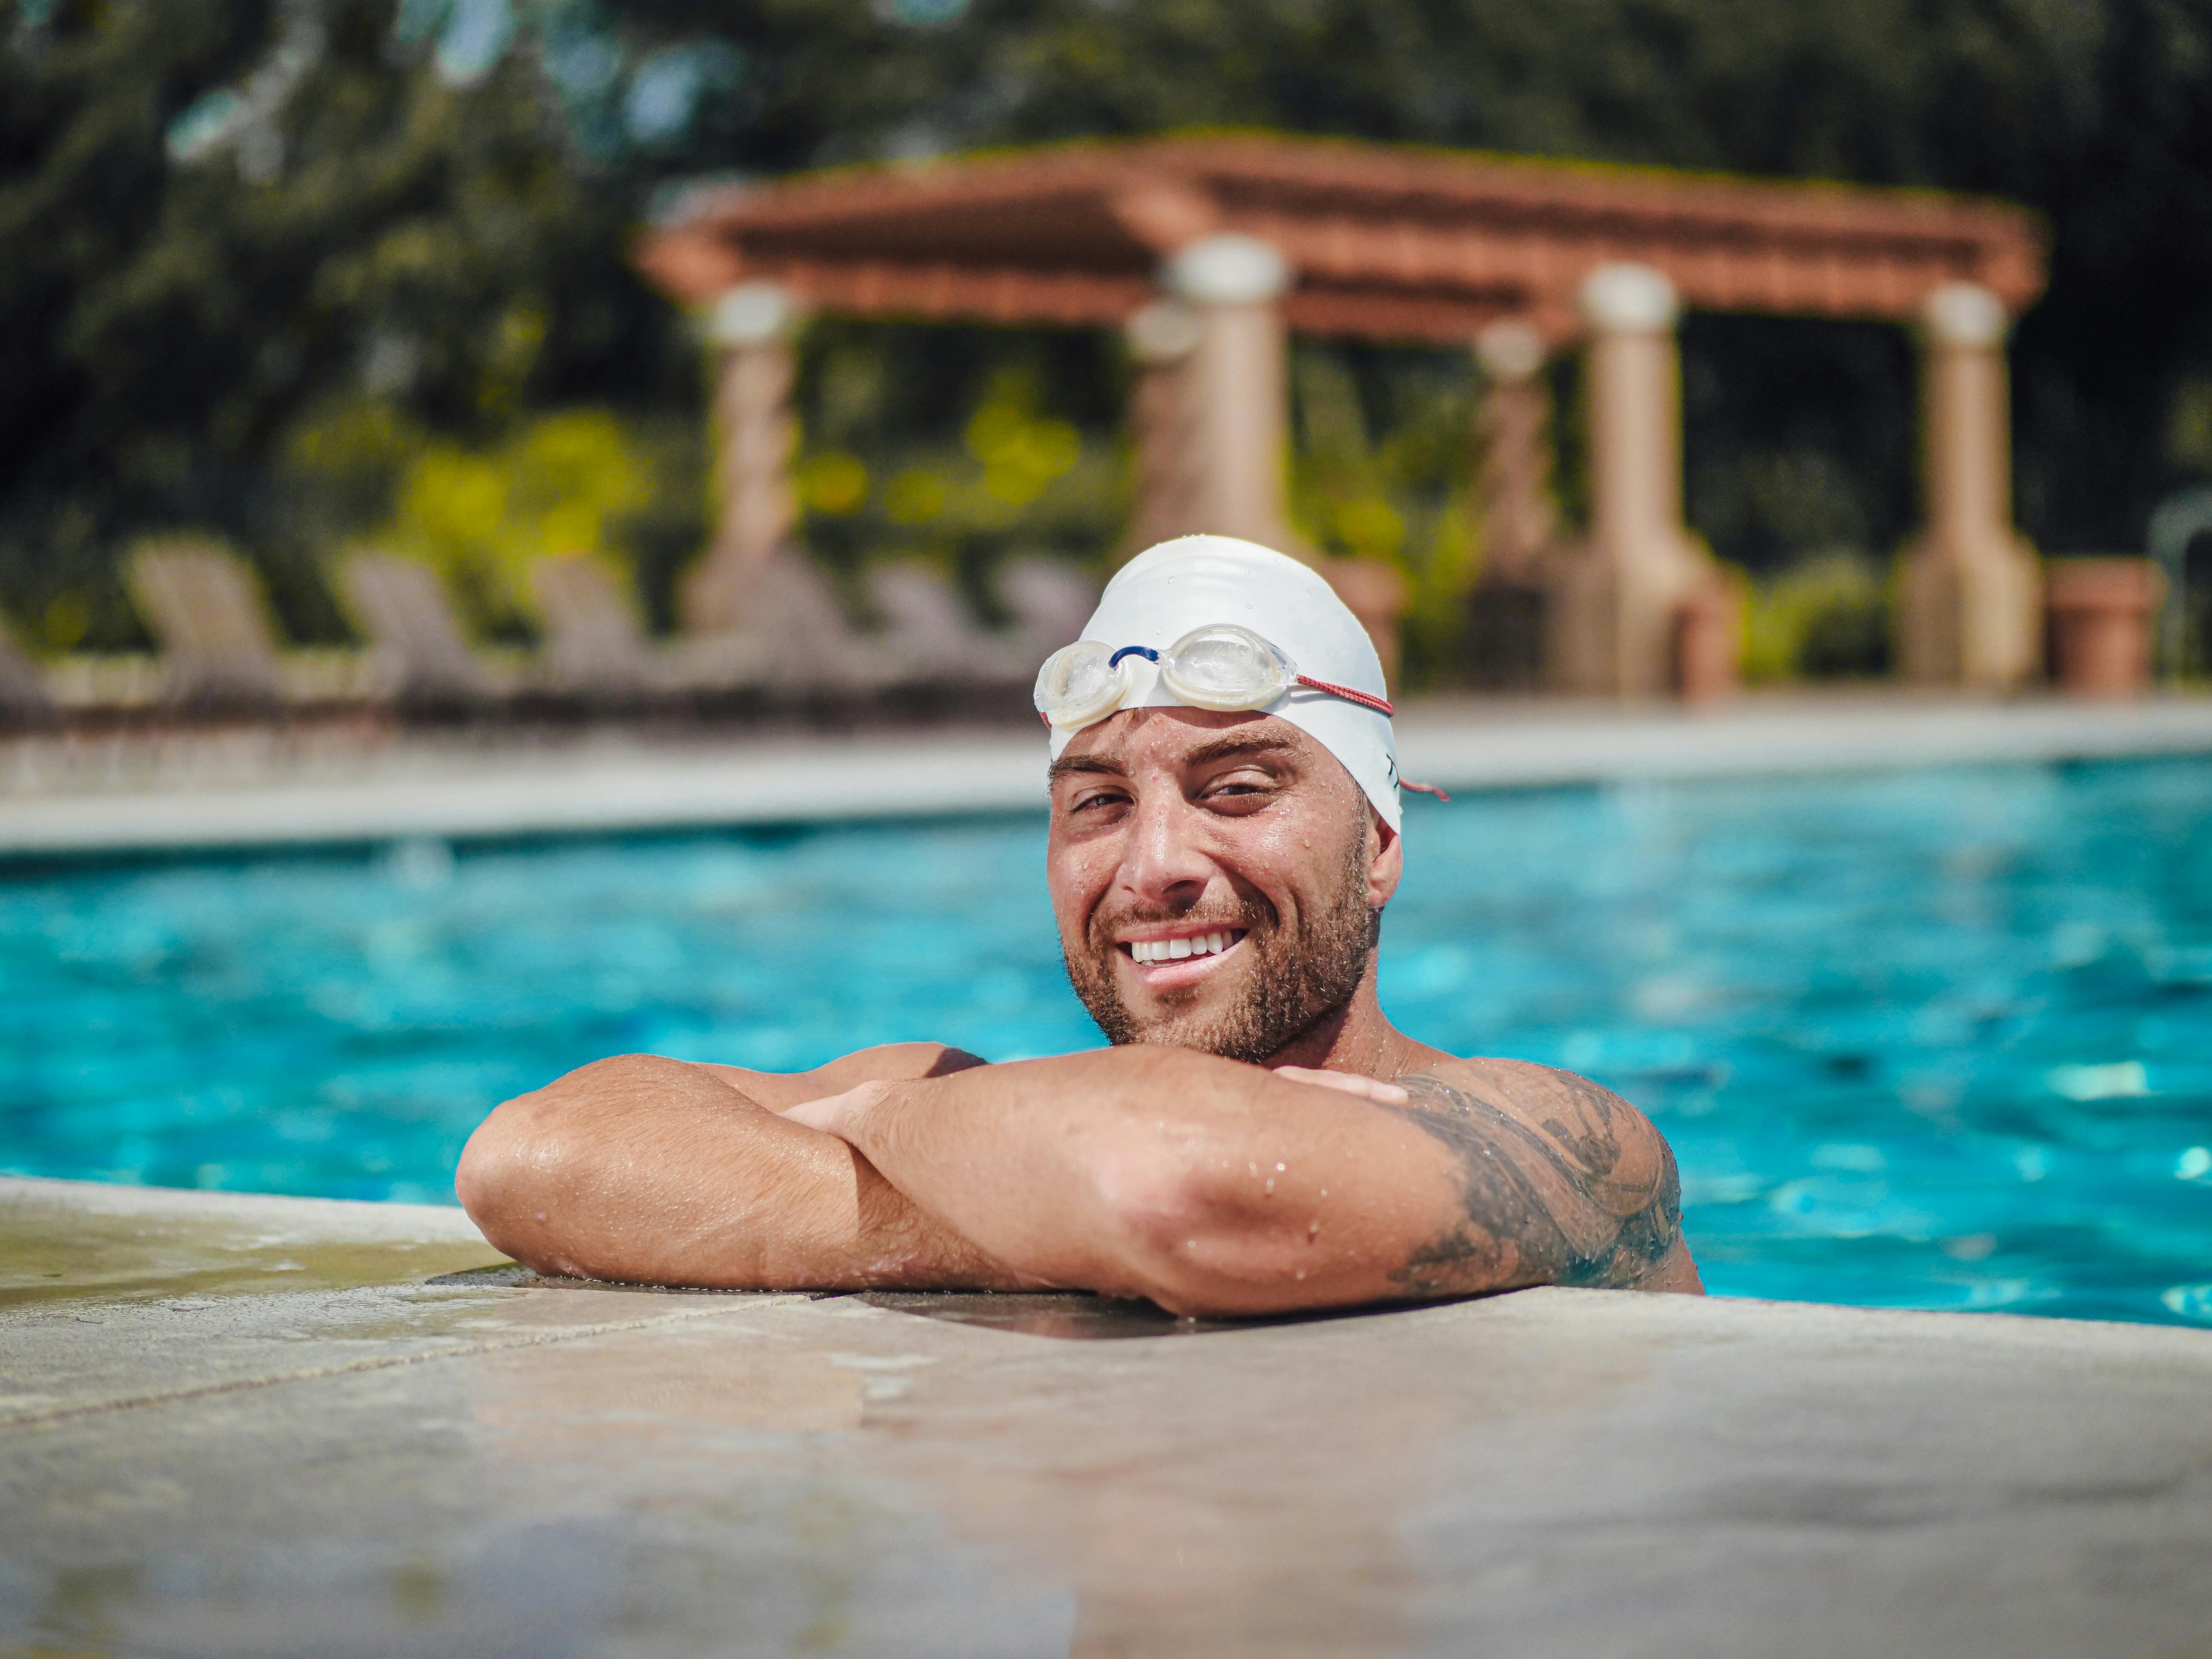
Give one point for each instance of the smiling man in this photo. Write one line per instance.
(1259, 1139)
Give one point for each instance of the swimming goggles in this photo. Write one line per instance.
(1220, 667)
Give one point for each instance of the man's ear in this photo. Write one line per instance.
(1386, 861)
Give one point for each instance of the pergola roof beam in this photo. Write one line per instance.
(1386, 244)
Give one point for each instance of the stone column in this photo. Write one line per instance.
(1162, 338)
(755, 502)
(1238, 401)
(1513, 457)
(1639, 601)
(1238, 425)
(1504, 642)
(1970, 597)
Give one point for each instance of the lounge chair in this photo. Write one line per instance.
(206, 610)
(593, 641)
(790, 633)
(24, 699)
(929, 626)
(1050, 600)
(415, 647)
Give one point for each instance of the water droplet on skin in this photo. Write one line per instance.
(1279, 1167)
(1269, 1188)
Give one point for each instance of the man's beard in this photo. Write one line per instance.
(1295, 979)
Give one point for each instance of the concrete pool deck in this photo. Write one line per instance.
(248, 789)
(248, 1426)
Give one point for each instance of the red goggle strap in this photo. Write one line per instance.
(1364, 699)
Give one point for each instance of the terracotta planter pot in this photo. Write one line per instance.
(2101, 616)
(1709, 644)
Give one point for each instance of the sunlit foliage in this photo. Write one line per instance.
(1827, 617)
(481, 518)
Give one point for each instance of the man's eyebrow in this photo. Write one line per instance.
(1228, 748)
(1232, 748)
(1069, 765)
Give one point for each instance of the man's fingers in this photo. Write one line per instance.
(1350, 1083)
(833, 1114)
(815, 1114)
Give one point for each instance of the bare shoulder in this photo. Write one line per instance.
(1562, 1181)
(1585, 1122)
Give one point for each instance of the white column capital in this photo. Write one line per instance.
(750, 315)
(1629, 299)
(1227, 270)
(1510, 349)
(1965, 314)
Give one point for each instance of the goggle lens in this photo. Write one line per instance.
(1220, 666)
(1079, 682)
(1225, 667)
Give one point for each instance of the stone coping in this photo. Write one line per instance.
(235, 1426)
(229, 797)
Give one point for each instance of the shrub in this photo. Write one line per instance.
(480, 518)
(1826, 618)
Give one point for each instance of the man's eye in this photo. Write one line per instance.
(1238, 789)
(1098, 802)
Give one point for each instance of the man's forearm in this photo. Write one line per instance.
(651, 1170)
(1203, 1184)
(1206, 1185)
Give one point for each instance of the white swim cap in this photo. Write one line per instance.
(1168, 590)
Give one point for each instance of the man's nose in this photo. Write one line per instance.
(1163, 862)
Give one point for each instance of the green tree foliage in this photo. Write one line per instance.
(1383, 470)
(179, 325)
(959, 446)
(424, 227)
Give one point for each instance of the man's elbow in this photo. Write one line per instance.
(523, 1156)
(502, 1174)
(1196, 1245)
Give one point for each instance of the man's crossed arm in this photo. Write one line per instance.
(1208, 1186)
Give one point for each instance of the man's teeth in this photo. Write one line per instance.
(1175, 949)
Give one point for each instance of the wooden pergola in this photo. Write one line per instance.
(1208, 248)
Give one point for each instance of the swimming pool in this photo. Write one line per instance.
(1924, 1039)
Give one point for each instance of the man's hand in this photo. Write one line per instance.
(828, 1114)
(1350, 1083)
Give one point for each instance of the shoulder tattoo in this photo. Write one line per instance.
(1586, 1195)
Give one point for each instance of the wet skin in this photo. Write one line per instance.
(1170, 822)
(1260, 1139)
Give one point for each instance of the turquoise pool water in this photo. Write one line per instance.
(1931, 1039)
